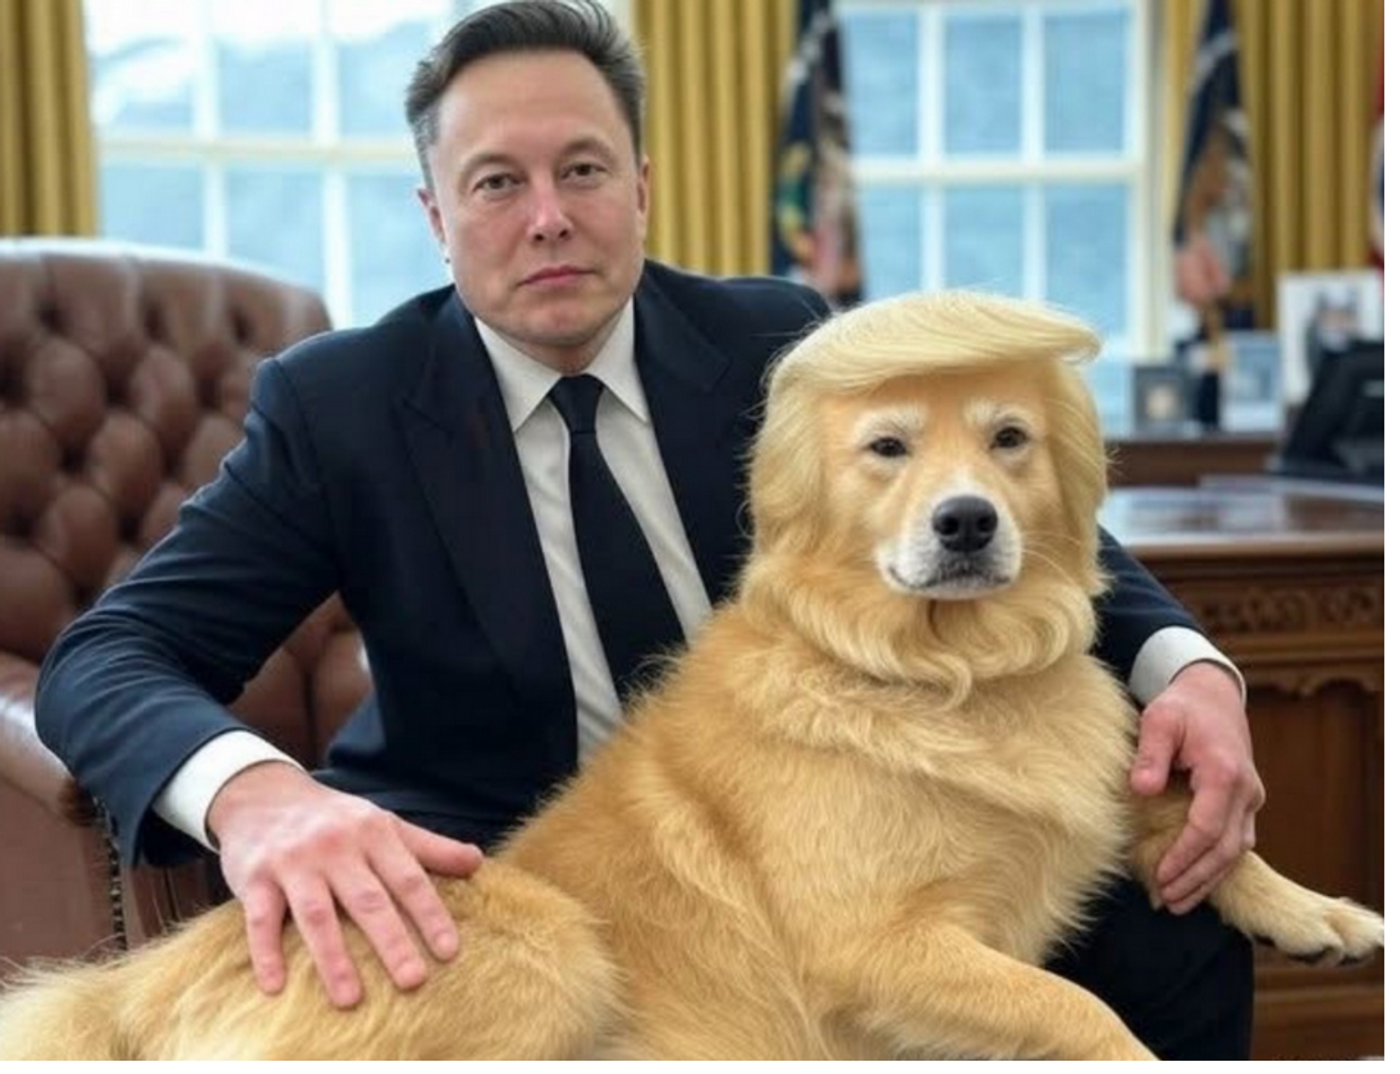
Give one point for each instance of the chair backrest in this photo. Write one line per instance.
(124, 378)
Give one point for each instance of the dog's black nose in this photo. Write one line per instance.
(965, 523)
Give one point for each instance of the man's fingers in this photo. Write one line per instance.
(264, 911)
(374, 910)
(1198, 880)
(314, 912)
(1157, 745)
(1206, 824)
(415, 892)
(438, 853)
(1193, 898)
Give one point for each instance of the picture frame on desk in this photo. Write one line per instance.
(1253, 388)
(1320, 312)
(1161, 398)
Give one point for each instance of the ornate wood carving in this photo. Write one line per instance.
(1287, 608)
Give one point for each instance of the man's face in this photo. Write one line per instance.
(539, 201)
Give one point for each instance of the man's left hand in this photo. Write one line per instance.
(1197, 725)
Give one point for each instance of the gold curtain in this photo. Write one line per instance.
(1309, 72)
(715, 81)
(47, 170)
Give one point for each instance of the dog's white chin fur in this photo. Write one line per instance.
(967, 587)
(927, 573)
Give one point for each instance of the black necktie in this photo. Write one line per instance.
(630, 605)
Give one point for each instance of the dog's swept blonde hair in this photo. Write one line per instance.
(915, 335)
(920, 335)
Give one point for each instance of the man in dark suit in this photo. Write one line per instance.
(423, 468)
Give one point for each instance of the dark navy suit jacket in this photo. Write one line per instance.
(379, 463)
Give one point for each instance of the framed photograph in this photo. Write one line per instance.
(1253, 385)
(1320, 312)
(1161, 400)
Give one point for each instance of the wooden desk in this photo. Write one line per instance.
(1181, 458)
(1289, 584)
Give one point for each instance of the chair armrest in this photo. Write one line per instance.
(25, 762)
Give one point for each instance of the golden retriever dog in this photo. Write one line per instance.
(851, 822)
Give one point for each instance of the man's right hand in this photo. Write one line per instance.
(289, 844)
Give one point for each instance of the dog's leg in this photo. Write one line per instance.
(934, 990)
(533, 980)
(1300, 922)
(1259, 901)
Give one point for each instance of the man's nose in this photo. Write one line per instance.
(549, 221)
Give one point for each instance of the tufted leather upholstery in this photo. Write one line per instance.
(124, 375)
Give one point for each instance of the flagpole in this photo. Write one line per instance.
(1212, 229)
(1211, 379)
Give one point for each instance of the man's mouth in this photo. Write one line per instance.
(555, 273)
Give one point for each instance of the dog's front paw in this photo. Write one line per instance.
(1340, 932)
(1322, 931)
(1301, 923)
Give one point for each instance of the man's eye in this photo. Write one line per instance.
(889, 447)
(495, 183)
(584, 169)
(1010, 436)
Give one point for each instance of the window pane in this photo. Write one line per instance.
(263, 56)
(377, 45)
(392, 256)
(881, 69)
(144, 58)
(982, 84)
(1086, 82)
(984, 238)
(152, 203)
(275, 219)
(1087, 252)
(1110, 381)
(891, 237)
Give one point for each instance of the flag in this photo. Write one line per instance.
(1377, 192)
(1212, 235)
(814, 211)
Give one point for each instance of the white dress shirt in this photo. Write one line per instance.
(628, 442)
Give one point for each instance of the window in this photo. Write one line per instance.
(1002, 145)
(270, 131)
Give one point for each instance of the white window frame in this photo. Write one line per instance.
(1145, 337)
(324, 150)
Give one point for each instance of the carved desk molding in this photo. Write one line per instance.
(1288, 580)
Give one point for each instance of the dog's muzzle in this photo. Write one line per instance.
(963, 549)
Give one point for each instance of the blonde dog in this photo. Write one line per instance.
(850, 822)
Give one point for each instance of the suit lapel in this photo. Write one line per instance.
(464, 454)
(698, 415)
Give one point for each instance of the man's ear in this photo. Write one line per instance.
(427, 199)
(644, 190)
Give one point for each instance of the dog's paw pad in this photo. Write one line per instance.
(1342, 933)
(1362, 933)
(1326, 956)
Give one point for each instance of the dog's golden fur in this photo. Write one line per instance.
(853, 818)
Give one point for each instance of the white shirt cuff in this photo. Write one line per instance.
(184, 802)
(1164, 655)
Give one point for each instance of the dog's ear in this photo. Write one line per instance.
(1081, 467)
(785, 472)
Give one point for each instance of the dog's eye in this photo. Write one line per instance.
(1009, 437)
(889, 447)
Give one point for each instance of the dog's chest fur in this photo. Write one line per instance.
(834, 802)
(999, 816)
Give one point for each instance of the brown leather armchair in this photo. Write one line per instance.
(124, 376)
